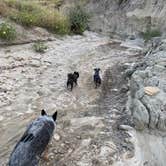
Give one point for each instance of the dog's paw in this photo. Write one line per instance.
(45, 157)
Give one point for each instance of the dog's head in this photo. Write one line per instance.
(54, 116)
(76, 74)
(97, 70)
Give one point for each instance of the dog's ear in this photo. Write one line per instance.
(54, 116)
(99, 69)
(43, 112)
(95, 69)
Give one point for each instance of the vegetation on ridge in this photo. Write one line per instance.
(45, 14)
(7, 32)
(150, 34)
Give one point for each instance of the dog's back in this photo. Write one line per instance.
(33, 142)
(72, 78)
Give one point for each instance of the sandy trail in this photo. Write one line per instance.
(30, 82)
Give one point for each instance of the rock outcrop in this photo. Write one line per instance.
(147, 96)
(127, 17)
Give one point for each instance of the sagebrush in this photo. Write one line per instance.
(150, 33)
(79, 19)
(40, 47)
(34, 13)
(7, 32)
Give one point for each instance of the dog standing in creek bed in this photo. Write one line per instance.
(96, 77)
(33, 143)
(72, 79)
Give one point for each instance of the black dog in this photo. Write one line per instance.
(76, 76)
(96, 77)
(72, 79)
(34, 141)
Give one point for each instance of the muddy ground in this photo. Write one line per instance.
(87, 131)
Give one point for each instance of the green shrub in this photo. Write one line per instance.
(57, 3)
(53, 21)
(150, 34)
(31, 13)
(22, 5)
(61, 26)
(7, 32)
(40, 47)
(24, 18)
(79, 19)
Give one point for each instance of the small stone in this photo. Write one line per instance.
(70, 150)
(78, 137)
(62, 145)
(57, 137)
(67, 142)
(40, 93)
(125, 127)
(51, 155)
(146, 163)
(124, 89)
(55, 151)
(127, 140)
(129, 155)
(1, 118)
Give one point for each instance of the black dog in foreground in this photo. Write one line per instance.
(33, 143)
(96, 77)
(72, 79)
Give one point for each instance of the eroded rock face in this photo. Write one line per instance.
(127, 16)
(148, 109)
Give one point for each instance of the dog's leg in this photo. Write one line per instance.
(96, 84)
(76, 82)
(45, 154)
(71, 86)
(67, 85)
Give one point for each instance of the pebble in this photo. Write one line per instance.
(67, 142)
(62, 145)
(51, 155)
(78, 137)
(125, 127)
(57, 137)
(1, 118)
(129, 155)
(55, 151)
(70, 150)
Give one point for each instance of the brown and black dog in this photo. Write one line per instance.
(72, 79)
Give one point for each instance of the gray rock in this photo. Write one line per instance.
(140, 115)
(147, 111)
(127, 19)
(161, 125)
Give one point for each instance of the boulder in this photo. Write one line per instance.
(146, 101)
